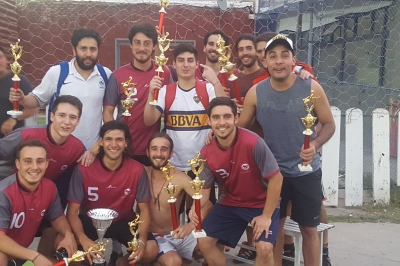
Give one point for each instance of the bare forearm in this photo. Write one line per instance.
(324, 135)
(76, 226)
(11, 248)
(151, 114)
(144, 227)
(107, 116)
(29, 101)
(219, 90)
(28, 112)
(61, 226)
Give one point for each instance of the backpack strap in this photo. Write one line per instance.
(201, 91)
(170, 93)
(102, 72)
(64, 71)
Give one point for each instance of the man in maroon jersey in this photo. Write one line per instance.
(113, 181)
(25, 198)
(252, 183)
(143, 41)
(64, 150)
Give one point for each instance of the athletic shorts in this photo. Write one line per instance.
(227, 224)
(16, 262)
(305, 194)
(119, 231)
(184, 247)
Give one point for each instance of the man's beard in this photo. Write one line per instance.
(83, 66)
(156, 167)
(252, 62)
(142, 61)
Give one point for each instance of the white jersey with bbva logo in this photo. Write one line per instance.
(186, 124)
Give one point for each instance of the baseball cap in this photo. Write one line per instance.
(279, 39)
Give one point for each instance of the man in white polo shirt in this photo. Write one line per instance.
(84, 79)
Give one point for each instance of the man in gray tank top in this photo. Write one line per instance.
(277, 103)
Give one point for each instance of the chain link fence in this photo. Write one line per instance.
(352, 45)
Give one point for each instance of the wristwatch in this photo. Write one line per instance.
(16, 119)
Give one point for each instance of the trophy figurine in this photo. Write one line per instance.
(102, 219)
(197, 185)
(308, 122)
(63, 259)
(161, 60)
(169, 172)
(163, 4)
(16, 68)
(224, 53)
(129, 90)
(134, 228)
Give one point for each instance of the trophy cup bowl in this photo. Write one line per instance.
(102, 219)
(127, 104)
(230, 67)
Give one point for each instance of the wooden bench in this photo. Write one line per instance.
(292, 229)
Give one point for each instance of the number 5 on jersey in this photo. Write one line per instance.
(92, 195)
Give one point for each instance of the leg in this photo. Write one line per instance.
(326, 261)
(150, 252)
(264, 254)
(212, 251)
(170, 258)
(311, 246)
(279, 243)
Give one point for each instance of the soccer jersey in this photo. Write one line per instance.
(97, 186)
(242, 169)
(186, 124)
(62, 158)
(199, 75)
(141, 133)
(21, 210)
(245, 82)
(90, 92)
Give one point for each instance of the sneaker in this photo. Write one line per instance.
(326, 261)
(245, 254)
(113, 258)
(287, 263)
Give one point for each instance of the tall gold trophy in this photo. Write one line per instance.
(224, 53)
(134, 228)
(78, 256)
(16, 68)
(197, 185)
(169, 172)
(129, 90)
(308, 122)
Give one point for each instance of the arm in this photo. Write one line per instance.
(151, 113)
(209, 74)
(249, 108)
(111, 99)
(325, 118)
(66, 238)
(108, 113)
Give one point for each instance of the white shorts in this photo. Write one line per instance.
(184, 247)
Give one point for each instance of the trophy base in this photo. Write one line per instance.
(223, 71)
(232, 78)
(99, 261)
(126, 114)
(153, 103)
(172, 200)
(304, 167)
(199, 234)
(14, 114)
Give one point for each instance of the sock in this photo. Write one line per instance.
(325, 251)
(288, 249)
(116, 246)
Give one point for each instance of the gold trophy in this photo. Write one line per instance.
(16, 68)
(308, 122)
(169, 172)
(161, 60)
(78, 256)
(129, 90)
(134, 228)
(197, 185)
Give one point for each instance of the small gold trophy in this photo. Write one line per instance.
(308, 122)
(129, 90)
(224, 52)
(169, 172)
(16, 68)
(197, 185)
(78, 256)
(134, 228)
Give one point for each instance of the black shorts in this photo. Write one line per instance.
(119, 231)
(16, 262)
(305, 194)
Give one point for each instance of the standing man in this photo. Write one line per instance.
(243, 163)
(113, 181)
(282, 127)
(85, 80)
(25, 198)
(176, 248)
(143, 40)
(7, 122)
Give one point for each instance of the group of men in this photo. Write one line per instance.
(118, 163)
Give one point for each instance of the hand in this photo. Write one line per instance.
(308, 155)
(96, 148)
(155, 84)
(304, 74)
(16, 95)
(238, 105)
(8, 126)
(209, 138)
(260, 224)
(42, 261)
(137, 255)
(193, 216)
(87, 158)
(87, 243)
(68, 242)
(183, 231)
(209, 74)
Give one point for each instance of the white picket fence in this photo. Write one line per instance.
(354, 158)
